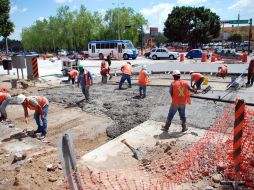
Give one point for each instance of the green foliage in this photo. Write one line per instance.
(6, 26)
(74, 29)
(235, 38)
(160, 39)
(192, 25)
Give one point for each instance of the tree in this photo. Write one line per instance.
(6, 26)
(235, 38)
(192, 25)
(160, 39)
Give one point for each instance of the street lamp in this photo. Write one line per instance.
(118, 7)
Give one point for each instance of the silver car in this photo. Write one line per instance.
(159, 53)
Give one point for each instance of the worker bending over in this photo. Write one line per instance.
(40, 105)
(223, 71)
(104, 72)
(251, 72)
(86, 80)
(196, 80)
(4, 101)
(72, 76)
(143, 81)
(126, 74)
(180, 93)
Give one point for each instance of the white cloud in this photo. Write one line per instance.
(190, 2)
(63, 1)
(14, 9)
(41, 18)
(244, 6)
(16, 34)
(23, 10)
(102, 12)
(157, 14)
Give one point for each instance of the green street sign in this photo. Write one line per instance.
(238, 21)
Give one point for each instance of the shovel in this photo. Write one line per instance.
(138, 154)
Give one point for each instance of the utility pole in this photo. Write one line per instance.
(238, 23)
(118, 20)
(250, 35)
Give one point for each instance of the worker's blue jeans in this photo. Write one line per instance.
(124, 78)
(42, 123)
(3, 107)
(85, 91)
(173, 109)
(199, 82)
(142, 88)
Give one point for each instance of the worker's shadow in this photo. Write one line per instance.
(19, 136)
(166, 135)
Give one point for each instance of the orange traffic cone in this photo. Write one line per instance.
(204, 57)
(244, 57)
(181, 57)
(213, 58)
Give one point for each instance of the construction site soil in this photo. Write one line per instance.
(127, 110)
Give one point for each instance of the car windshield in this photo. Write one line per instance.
(128, 45)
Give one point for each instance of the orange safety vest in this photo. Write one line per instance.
(181, 94)
(104, 69)
(143, 79)
(3, 96)
(196, 76)
(73, 74)
(3, 89)
(41, 100)
(88, 81)
(223, 70)
(127, 69)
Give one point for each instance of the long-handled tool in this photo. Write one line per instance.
(138, 154)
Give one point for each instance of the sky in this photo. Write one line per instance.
(24, 13)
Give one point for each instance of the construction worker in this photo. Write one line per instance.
(86, 80)
(143, 81)
(3, 89)
(180, 93)
(4, 101)
(72, 76)
(126, 74)
(104, 72)
(196, 80)
(251, 72)
(223, 71)
(40, 105)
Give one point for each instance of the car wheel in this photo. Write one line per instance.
(125, 57)
(154, 57)
(101, 56)
(171, 57)
(189, 57)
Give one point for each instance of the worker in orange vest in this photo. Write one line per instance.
(3, 89)
(86, 80)
(5, 99)
(196, 80)
(72, 76)
(143, 81)
(251, 72)
(223, 71)
(180, 93)
(40, 105)
(126, 74)
(104, 72)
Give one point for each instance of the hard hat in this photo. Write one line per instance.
(21, 98)
(81, 67)
(144, 67)
(191, 72)
(176, 72)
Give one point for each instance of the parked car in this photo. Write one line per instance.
(195, 53)
(163, 53)
(62, 52)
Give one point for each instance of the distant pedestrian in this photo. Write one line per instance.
(196, 80)
(104, 72)
(86, 80)
(40, 105)
(251, 72)
(143, 81)
(109, 64)
(126, 74)
(72, 75)
(223, 71)
(5, 99)
(180, 93)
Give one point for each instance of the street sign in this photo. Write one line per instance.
(234, 21)
(153, 31)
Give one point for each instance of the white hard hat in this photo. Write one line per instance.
(144, 67)
(176, 72)
(191, 72)
(21, 98)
